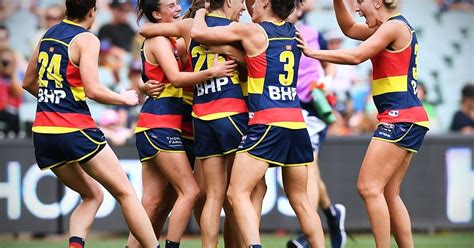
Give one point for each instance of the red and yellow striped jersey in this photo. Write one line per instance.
(166, 110)
(62, 104)
(395, 75)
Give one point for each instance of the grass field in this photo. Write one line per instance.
(439, 240)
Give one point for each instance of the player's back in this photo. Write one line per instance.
(218, 97)
(272, 79)
(62, 104)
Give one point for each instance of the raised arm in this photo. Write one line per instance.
(216, 35)
(348, 25)
(180, 28)
(162, 51)
(85, 51)
(30, 81)
(384, 36)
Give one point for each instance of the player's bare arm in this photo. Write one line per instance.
(368, 49)
(348, 24)
(175, 29)
(30, 82)
(162, 51)
(84, 52)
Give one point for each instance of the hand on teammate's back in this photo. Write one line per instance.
(223, 68)
(305, 48)
(153, 88)
(130, 97)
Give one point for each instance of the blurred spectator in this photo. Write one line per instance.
(345, 75)
(109, 123)
(21, 19)
(52, 15)
(129, 115)
(10, 93)
(467, 5)
(119, 32)
(431, 105)
(111, 62)
(463, 119)
(20, 62)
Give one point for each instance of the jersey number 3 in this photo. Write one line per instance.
(288, 60)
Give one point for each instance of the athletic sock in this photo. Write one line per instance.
(171, 244)
(76, 242)
(330, 212)
(255, 246)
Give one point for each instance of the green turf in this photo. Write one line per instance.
(441, 240)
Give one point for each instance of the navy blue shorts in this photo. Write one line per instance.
(219, 137)
(153, 141)
(278, 146)
(408, 136)
(54, 150)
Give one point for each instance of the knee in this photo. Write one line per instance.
(96, 194)
(368, 190)
(151, 202)
(192, 193)
(231, 196)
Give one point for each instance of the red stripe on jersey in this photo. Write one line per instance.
(413, 114)
(73, 75)
(220, 106)
(155, 72)
(390, 64)
(273, 115)
(147, 120)
(56, 119)
(257, 66)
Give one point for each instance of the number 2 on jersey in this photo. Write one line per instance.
(52, 68)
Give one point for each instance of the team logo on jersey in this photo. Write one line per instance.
(251, 115)
(393, 113)
(51, 49)
(288, 47)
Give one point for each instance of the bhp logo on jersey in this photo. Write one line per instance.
(51, 96)
(211, 86)
(459, 185)
(282, 93)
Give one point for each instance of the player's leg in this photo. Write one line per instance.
(381, 161)
(154, 185)
(215, 171)
(335, 215)
(175, 167)
(247, 172)
(199, 176)
(399, 217)
(232, 236)
(91, 194)
(295, 184)
(105, 168)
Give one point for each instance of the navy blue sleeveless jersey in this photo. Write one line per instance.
(218, 97)
(62, 104)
